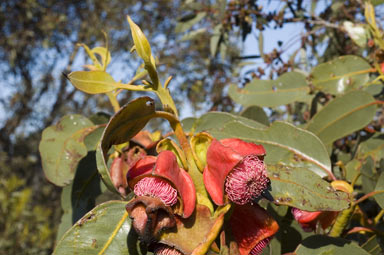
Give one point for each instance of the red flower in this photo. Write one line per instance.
(238, 166)
(158, 182)
(253, 228)
(309, 220)
(162, 177)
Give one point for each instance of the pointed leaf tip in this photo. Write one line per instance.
(142, 45)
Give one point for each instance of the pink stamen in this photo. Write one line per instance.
(166, 250)
(258, 249)
(247, 180)
(156, 187)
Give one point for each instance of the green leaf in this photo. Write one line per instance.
(319, 245)
(62, 147)
(372, 245)
(341, 74)
(183, 26)
(93, 82)
(290, 233)
(380, 187)
(283, 142)
(353, 169)
(124, 125)
(215, 39)
(368, 175)
(373, 147)
(256, 113)
(104, 230)
(200, 143)
(188, 123)
(342, 116)
(374, 89)
(92, 140)
(66, 218)
(143, 48)
(100, 118)
(288, 88)
(301, 188)
(358, 33)
(91, 55)
(80, 196)
(194, 35)
(214, 120)
(104, 54)
(377, 2)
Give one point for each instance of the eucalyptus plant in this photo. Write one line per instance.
(223, 183)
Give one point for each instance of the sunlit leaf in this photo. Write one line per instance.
(124, 125)
(341, 74)
(256, 113)
(104, 54)
(66, 221)
(194, 35)
(62, 147)
(93, 82)
(342, 116)
(373, 147)
(353, 169)
(215, 120)
(184, 25)
(215, 39)
(358, 33)
(301, 188)
(143, 48)
(104, 230)
(377, 2)
(200, 143)
(283, 142)
(288, 88)
(320, 244)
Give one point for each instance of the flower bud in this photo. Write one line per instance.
(309, 220)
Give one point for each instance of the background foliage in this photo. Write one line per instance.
(200, 42)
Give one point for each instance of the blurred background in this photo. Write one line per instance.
(204, 45)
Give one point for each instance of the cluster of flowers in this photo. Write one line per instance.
(234, 173)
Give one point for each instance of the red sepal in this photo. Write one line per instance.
(251, 224)
(142, 168)
(166, 167)
(244, 148)
(308, 220)
(222, 157)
